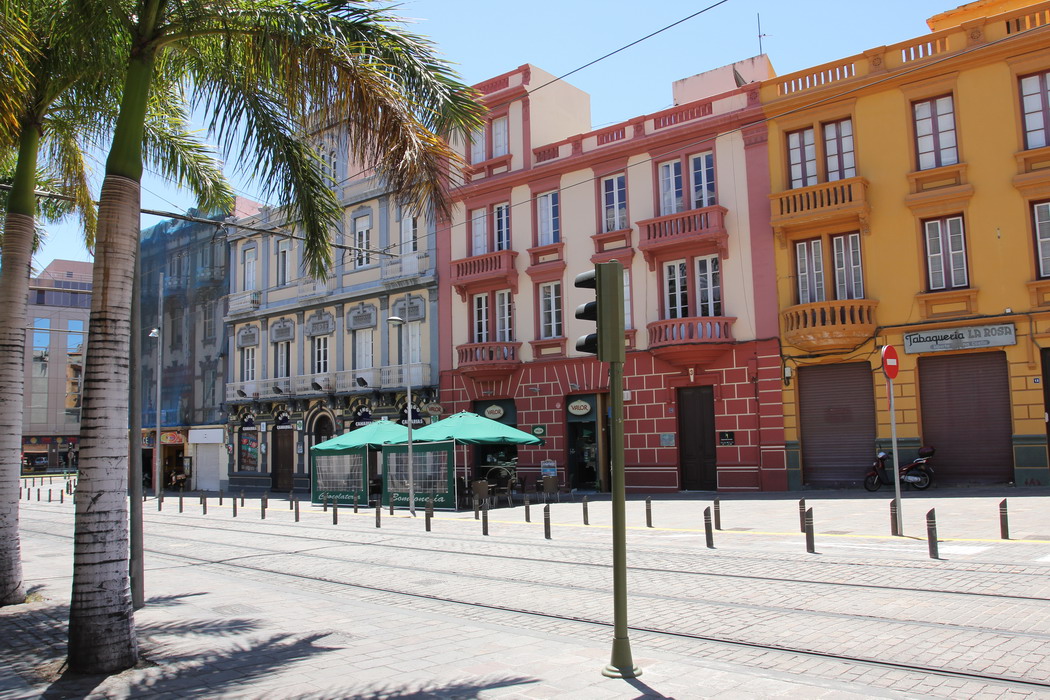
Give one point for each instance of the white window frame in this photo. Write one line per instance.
(477, 145)
(319, 354)
(708, 275)
(628, 320)
(501, 226)
(809, 268)
(550, 310)
(1041, 217)
(248, 364)
(676, 289)
(284, 254)
(480, 316)
(945, 253)
(208, 320)
(409, 243)
(500, 137)
(548, 213)
(935, 139)
(363, 349)
(504, 316)
(1035, 107)
(614, 203)
(669, 175)
(362, 241)
(849, 269)
(802, 158)
(702, 168)
(249, 258)
(479, 232)
(839, 156)
(282, 359)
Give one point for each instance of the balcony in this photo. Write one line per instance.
(417, 372)
(841, 201)
(242, 391)
(692, 232)
(406, 269)
(488, 360)
(829, 325)
(346, 381)
(307, 384)
(486, 271)
(309, 288)
(692, 341)
(244, 302)
(275, 388)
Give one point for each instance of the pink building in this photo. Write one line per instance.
(680, 197)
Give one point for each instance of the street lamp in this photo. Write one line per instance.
(157, 468)
(398, 321)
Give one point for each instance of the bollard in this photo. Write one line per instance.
(708, 531)
(49, 497)
(379, 511)
(1004, 521)
(160, 504)
(931, 532)
(528, 517)
(61, 497)
(204, 505)
(485, 518)
(242, 499)
(648, 512)
(234, 502)
(811, 546)
(430, 512)
(477, 509)
(290, 497)
(586, 520)
(325, 503)
(38, 494)
(801, 515)
(547, 521)
(335, 511)
(894, 530)
(262, 508)
(180, 501)
(297, 510)
(718, 514)
(200, 495)
(355, 502)
(391, 504)
(265, 500)
(220, 498)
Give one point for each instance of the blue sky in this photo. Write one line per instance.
(486, 38)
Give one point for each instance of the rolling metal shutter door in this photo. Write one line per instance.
(965, 403)
(837, 413)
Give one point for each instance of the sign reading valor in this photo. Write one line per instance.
(965, 338)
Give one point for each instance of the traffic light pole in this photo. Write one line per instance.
(621, 665)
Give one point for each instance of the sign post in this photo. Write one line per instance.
(890, 367)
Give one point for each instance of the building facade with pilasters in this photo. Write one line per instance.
(679, 198)
(910, 206)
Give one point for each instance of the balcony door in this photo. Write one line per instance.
(283, 457)
(696, 435)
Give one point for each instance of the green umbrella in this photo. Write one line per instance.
(374, 435)
(471, 429)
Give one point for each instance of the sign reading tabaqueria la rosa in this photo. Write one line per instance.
(961, 338)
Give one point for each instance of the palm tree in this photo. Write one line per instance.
(62, 105)
(267, 71)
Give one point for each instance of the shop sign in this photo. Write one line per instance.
(965, 338)
(494, 412)
(539, 430)
(283, 421)
(579, 408)
(171, 438)
(434, 409)
(548, 467)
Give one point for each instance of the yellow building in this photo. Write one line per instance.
(911, 206)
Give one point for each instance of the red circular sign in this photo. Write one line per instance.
(890, 362)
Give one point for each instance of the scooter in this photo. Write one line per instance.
(917, 473)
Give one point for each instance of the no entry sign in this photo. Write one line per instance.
(890, 363)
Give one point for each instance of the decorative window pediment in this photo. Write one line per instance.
(360, 317)
(248, 336)
(282, 330)
(411, 308)
(321, 323)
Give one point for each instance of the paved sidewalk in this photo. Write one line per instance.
(213, 630)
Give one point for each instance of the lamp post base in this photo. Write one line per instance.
(621, 665)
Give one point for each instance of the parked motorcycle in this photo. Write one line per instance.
(917, 473)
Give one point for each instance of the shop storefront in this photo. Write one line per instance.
(49, 453)
(495, 461)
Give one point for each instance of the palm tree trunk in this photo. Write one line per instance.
(19, 227)
(101, 620)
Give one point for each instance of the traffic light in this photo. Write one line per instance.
(606, 279)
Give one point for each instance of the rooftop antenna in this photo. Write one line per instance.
(760, 34)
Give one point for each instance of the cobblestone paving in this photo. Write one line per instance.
(240, 607)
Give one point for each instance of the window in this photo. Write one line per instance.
(247, 364)
(614, 203)
(320, 354)
(935, 133)
(802, 158)
(362, 241)
(670, 176)
(176, 327)
(501, 226)
(703, 173)
(809, 266)
(1034, 105)
(550, 310)
(481, 318)
(1041, 213)
(945, 253)
(477, 145)
(208, 320)
(676, 289)
(409, 244)
(849, 277)
(838, 150)
(284, 251)
(479, 232)
(363, 349)
(708, 286)
(549, 230)
(282, 360)
(500, 145)
(628, 323)
(248, 258)
(205, 257)
(504, 317)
